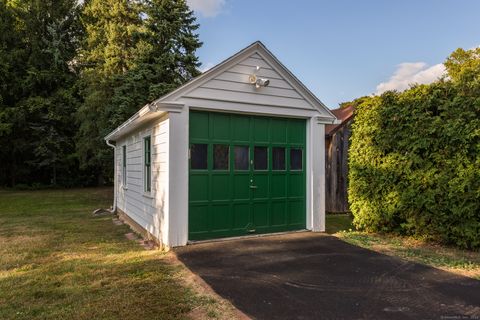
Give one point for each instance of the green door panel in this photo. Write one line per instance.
(231, 198)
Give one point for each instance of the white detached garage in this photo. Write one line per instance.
(239, 150)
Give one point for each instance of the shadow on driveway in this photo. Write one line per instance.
(315, 276)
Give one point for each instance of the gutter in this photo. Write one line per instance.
(328, 120)
(162, 106)
(114, 206)
(123, 125)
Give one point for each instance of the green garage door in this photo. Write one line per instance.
(247, 175)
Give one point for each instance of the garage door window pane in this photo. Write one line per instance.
(241, 158)
(220, 156)
(198, 156)
(278, 158)
(295, 159)
(260, 158)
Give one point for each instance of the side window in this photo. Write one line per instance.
(198, 156)
(296, 159)
(124, 165)
(278, 158)
(241, 157)
(147, 169)
(260, 158)
(220, 156)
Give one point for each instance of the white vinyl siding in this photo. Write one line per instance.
(148, 211)
(233, 86)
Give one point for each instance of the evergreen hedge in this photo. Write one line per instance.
(415, 162)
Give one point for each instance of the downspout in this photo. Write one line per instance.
(114, 206)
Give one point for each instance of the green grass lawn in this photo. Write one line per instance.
(57, 261)
(459, 261)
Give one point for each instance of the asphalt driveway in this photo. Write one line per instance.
(315, 276)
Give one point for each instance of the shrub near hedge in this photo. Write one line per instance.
(415, 163)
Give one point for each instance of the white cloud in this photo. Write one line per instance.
(207, 8)
(411, 73)
(206, 67)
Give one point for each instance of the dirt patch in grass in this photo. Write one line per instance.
(57, 261)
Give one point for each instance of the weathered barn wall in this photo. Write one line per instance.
(336, 171)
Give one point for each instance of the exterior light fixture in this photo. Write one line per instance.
(258, 82)
(262, 83)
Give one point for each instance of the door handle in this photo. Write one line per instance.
(253, 187)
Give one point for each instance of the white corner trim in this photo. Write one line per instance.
(317, 192)
(177, 218)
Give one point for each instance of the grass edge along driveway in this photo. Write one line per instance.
(57, 261)
(458, 261)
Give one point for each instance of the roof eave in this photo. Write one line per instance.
(155, 110)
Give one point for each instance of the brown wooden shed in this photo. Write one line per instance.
(336, 161)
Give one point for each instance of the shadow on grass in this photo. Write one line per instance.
(338, 222)
(459, 261)
(57, 261)
(82, 285)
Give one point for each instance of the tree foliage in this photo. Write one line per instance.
(134, 52)
(415, 158)
(38, 40)
(71, 71)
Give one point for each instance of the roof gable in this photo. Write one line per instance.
(228, 81)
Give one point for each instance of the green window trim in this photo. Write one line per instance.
(147, 168)
(124, 165)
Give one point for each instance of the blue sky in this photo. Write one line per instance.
(343, 49)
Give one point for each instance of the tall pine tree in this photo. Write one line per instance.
(108, 51)
(11, 56)
(165, 60)
(38, 89)
(134, 52)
